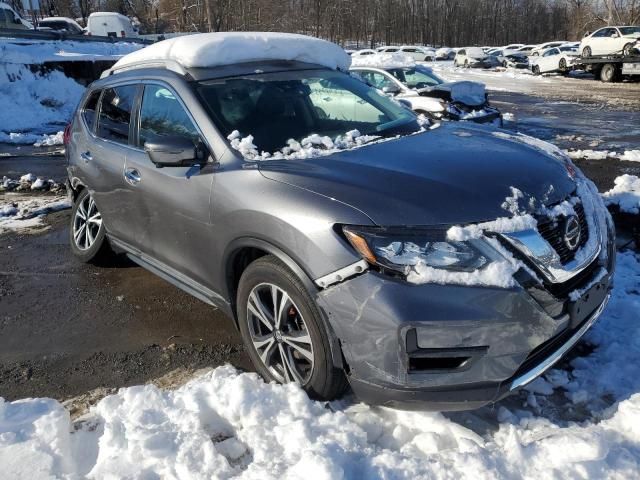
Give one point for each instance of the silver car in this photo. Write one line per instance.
(315, 258)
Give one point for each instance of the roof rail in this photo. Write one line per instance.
(162, 63)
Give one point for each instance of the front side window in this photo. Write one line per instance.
(115, 113)
(376, 79)
(416, 77)
(162, 115)
(277, 107)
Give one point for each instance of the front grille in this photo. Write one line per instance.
(552, 230)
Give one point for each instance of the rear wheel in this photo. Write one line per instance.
(608, 73)
(283, 332)
(586, 52)
(466, 64)
(562, 66)
(627, 49)
(536, 70)
(87, 233)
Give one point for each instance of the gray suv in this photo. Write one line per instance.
(340, 268)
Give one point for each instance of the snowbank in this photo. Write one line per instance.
(229, 425)
(23, 214)
(625, 194)
(34, 104)
(215, 49)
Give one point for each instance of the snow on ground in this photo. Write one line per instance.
(34, 104)
(24, 213)
(224, 424)
(26, 52)
(627, 155)
(625, 194)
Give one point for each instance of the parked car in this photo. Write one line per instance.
(526, 50)
(428, 94)
(338, 265)
(364, 51)
(110, 24)
(512, 59)
(420, 54)
(445, 53)
(545, 46)
(557, 59)
(9, 18)
(473, 57)
(610, 40)
(387, 49)
(61, 24)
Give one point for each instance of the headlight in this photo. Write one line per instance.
(401, 250)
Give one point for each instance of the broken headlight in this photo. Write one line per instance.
(401, 250)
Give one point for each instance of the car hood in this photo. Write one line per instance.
(469, 93)
(453, 174)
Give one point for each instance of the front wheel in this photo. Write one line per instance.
(283, 332)
(536, 70)
(87, 232)
(627, 49)
(562, 66)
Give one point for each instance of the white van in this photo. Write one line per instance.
(9, 18)
(110, 24)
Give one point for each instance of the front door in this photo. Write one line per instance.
(169, 207)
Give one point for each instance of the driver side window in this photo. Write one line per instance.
(162, 115)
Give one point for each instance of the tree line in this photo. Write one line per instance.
(365, 23)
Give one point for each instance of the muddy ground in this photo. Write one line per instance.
(67, 328)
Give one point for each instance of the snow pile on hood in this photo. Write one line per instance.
(384, 60)
(34, 52)
(227, 425)
(312, 146)
(625, 194)
(469, 93)
(228, 48)
(34, 104)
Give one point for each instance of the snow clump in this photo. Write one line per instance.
(625, 194)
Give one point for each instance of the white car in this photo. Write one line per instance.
(363, 52)
(445, 53)
(473, 57)
(610, 40)
(424, 92)
(545, 46)
(110, 24)
(556, 59)
(526, 50)
(61, 24)
(420, 54)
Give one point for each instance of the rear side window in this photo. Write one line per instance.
(115, 113)
(162, 115)
(90, 108)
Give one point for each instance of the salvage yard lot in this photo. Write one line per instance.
(67, 328)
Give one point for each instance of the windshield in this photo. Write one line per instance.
(416, 77)
(277, 107)
(629, 30)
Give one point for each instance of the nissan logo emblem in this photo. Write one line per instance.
(572, 232)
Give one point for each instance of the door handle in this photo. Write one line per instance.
(132, 176)
(86, 156)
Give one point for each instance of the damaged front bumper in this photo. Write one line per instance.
(456, 347)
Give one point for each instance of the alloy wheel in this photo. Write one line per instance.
(279, 334)
(86, 223)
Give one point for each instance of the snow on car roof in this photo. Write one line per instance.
(384, 60)
(228, 48)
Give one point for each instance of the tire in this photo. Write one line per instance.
(505, 64)
(586, 52)
(608, 73)
(308, 362)
(87, 237)
(536, 70)
(466, 64)
(562, 66)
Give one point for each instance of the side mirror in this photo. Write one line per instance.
(175, 151)
(390, 89)
(614, 35)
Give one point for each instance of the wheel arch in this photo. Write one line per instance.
(238, 256)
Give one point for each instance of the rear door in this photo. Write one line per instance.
(168, 208)
(103, 151)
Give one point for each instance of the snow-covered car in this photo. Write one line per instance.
(512, 58)
(445, 53)
(556, 59)
(420, 54)
(61, 24)
(363, 52)
(473, 57)
(610, 41)
(438, 268)
(9, 18)
(545, 46)
(425, 92)
(110, 24)
(387, 49)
